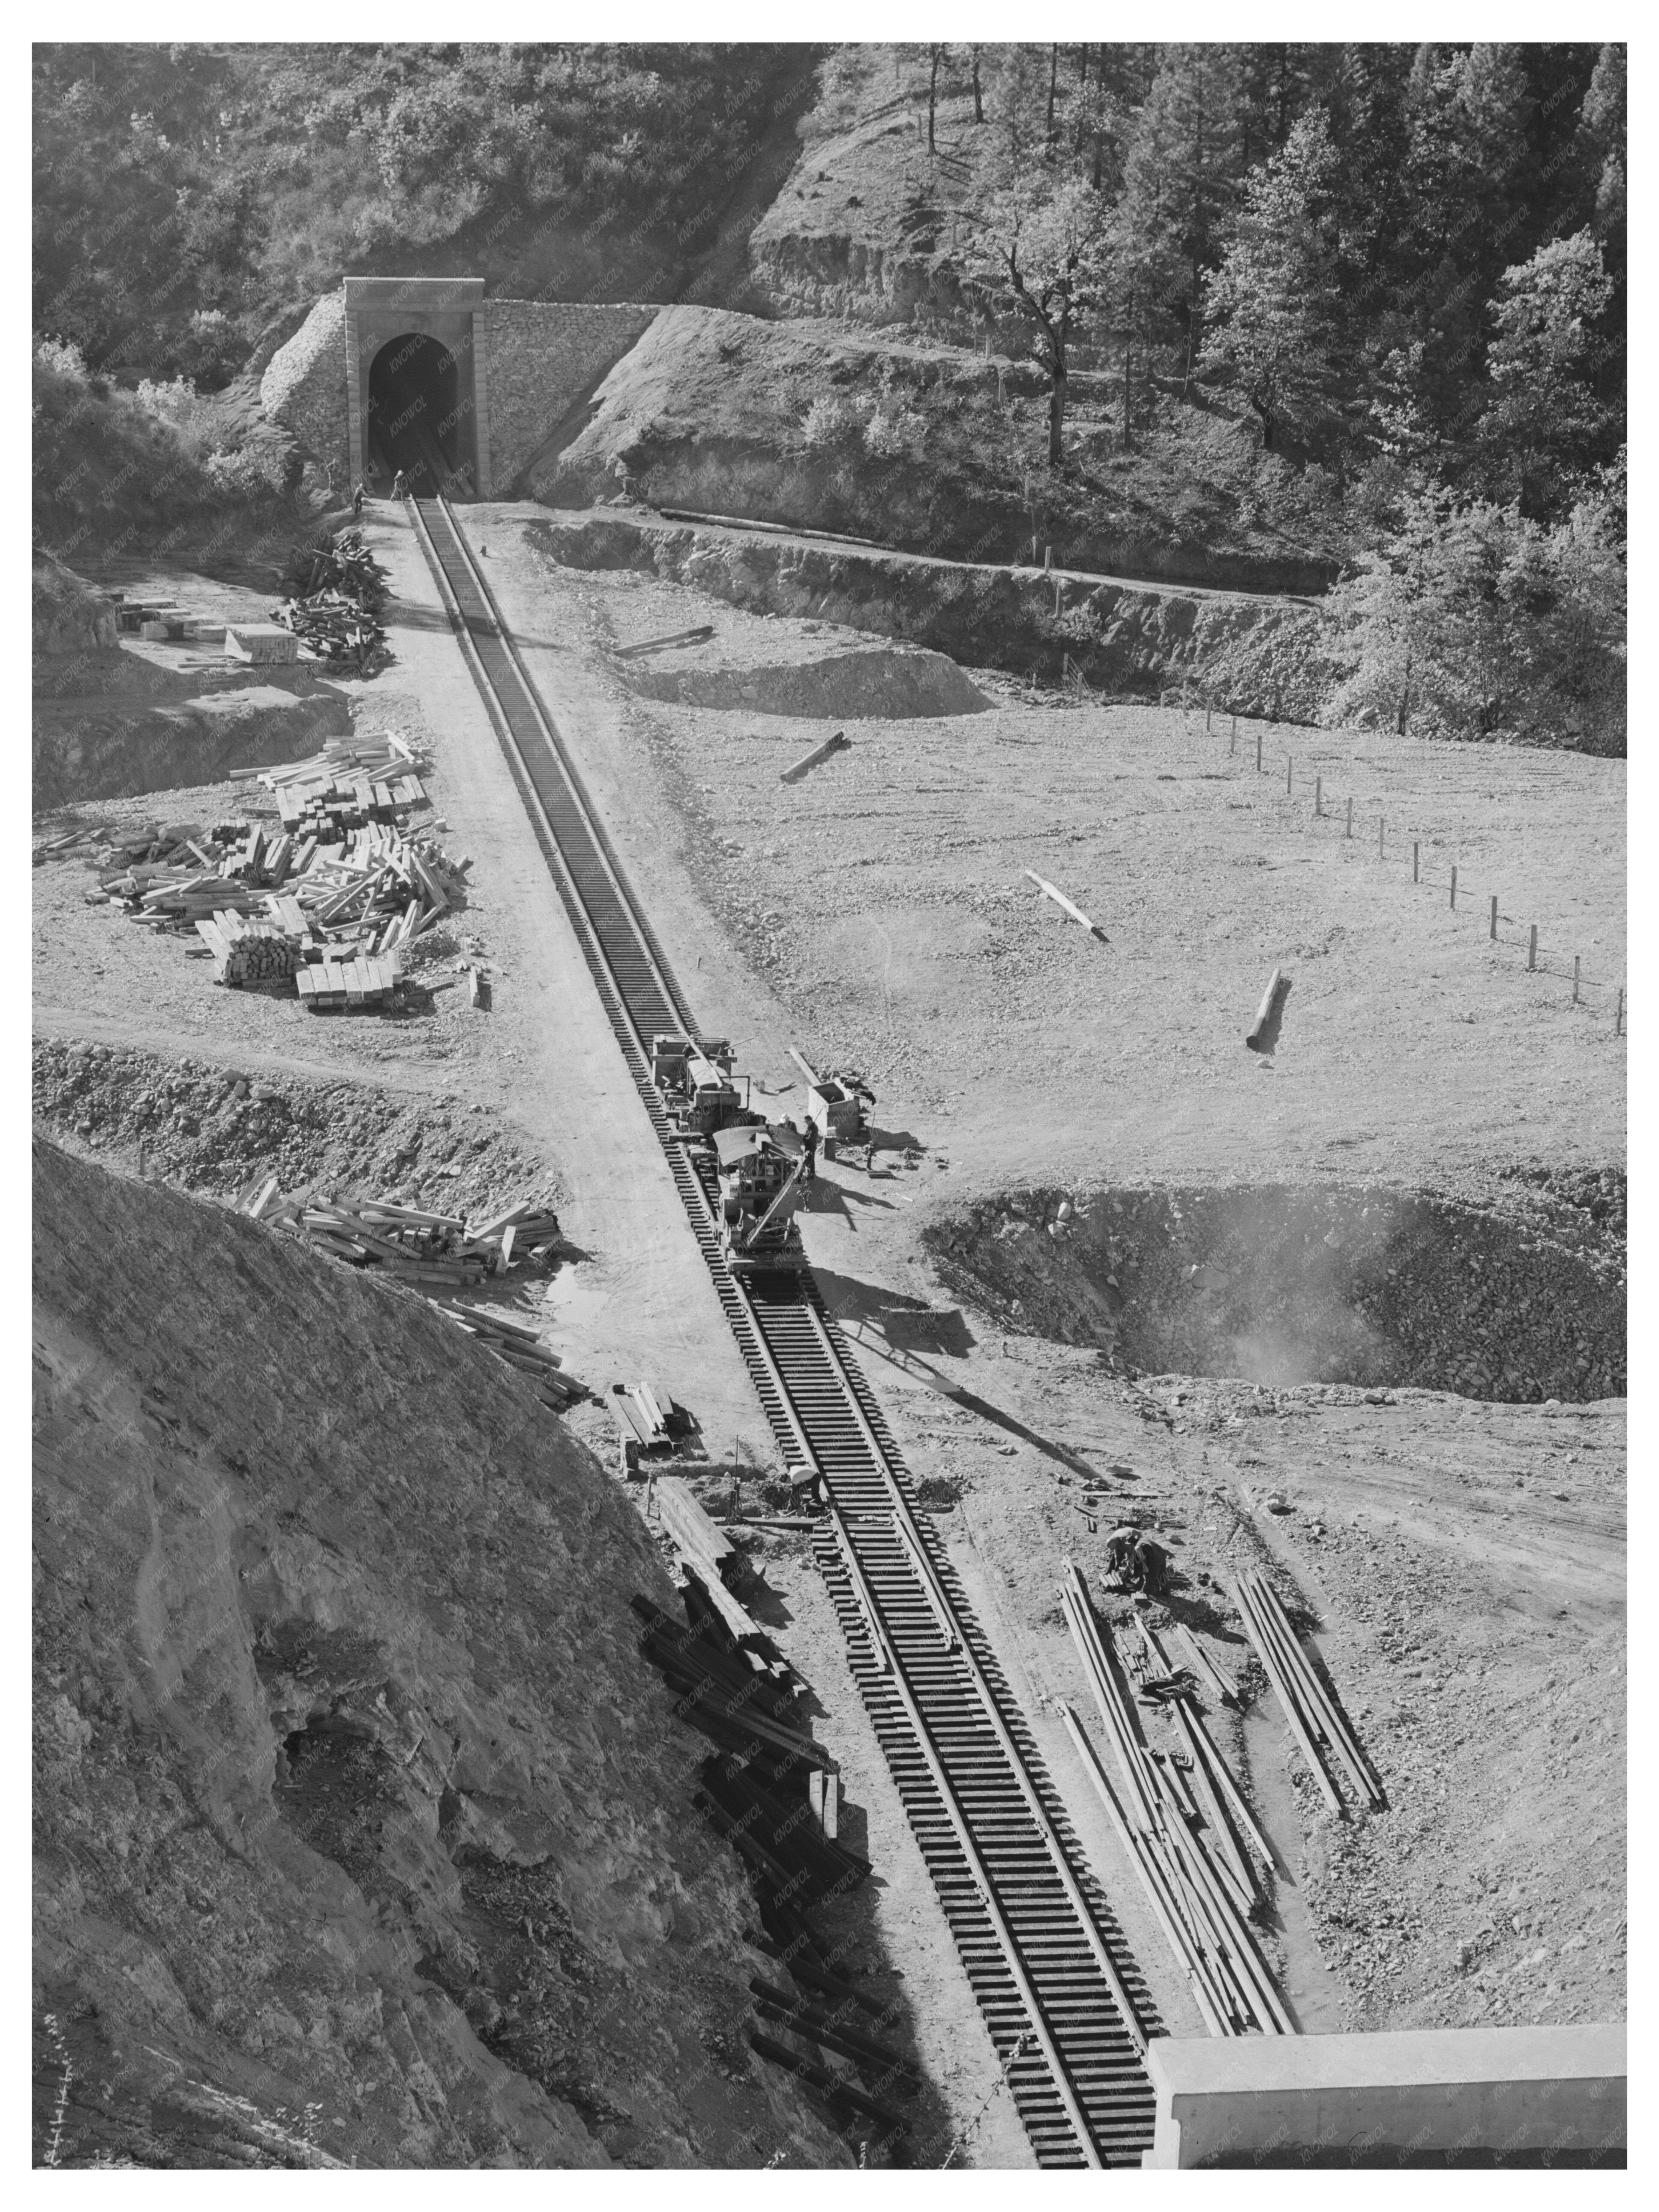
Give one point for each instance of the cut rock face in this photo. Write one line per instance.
(1279, 1285)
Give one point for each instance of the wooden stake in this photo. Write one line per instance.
(1492, 929)
(1575, 979)
(1258, 752)
(1416, 855)
(1618, 1016)
(1232, 742)
(1348, 832)
(1289, 768)
(1454, 895)
(1319, 794)
(1532, 948)
(1206, 718)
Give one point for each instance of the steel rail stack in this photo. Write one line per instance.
(1041, 1950)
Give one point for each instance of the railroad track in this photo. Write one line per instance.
(1066, 2009)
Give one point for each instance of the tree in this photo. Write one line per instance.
(1469, 619)
(1187, 137)
(1273, 304)
(1544, 417)
(979, 98)
(1424, 624)
(1042, 247)
(1601, 125)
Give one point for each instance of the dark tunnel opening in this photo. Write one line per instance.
(415, 418)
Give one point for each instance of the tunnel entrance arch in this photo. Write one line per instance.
(417, 390)
(413, 419)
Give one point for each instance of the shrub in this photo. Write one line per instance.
(828, 421)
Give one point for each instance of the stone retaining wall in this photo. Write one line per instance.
(541, 357)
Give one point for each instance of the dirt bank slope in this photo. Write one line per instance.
(1123, 639)
(362, 1833)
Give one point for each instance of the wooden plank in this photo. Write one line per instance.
(686, 1522)
(1061, 900)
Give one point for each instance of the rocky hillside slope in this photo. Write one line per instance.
(362, 1833)
(934, 448)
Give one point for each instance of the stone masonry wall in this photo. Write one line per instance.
(304, 389)
(542, 356)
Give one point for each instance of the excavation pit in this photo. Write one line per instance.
(1277, 1284)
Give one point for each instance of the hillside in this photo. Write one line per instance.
(932, 448)
(363, 1832)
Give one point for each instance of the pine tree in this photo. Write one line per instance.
(1185, 161)
(1273, 304)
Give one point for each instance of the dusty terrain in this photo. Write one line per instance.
(1467, 1576)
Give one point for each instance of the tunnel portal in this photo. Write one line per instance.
(415, 387)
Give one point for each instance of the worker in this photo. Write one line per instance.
(400, 486)
(1136, 1560)
(359, 493)
(810, 1172)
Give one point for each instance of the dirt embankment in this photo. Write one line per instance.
(1123, 641)
(363, 1832)
(877, 685)
(110, 720)
(213, 1129)
(935, 449)
(1521, 1298)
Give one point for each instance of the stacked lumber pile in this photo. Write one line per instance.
(708, 1554)
(335, 589)
(353, 780)
(1184, 1826)
(650, 1421)
(772, 1792)
(1320, 1729)
(327, 904)
(408, 1243)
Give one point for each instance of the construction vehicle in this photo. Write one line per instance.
(838, 1104)
(695, 1081)
(761, 1171)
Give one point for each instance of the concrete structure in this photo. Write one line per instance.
(1542, 2094)
(500, 374)
(387, 312)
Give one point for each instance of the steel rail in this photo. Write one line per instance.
(1027, 1925)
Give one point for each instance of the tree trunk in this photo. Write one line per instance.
(1405, 699)
(1265, 418)
(1053, 73)
(978, 104)
(932, 94)
(1057, 411)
